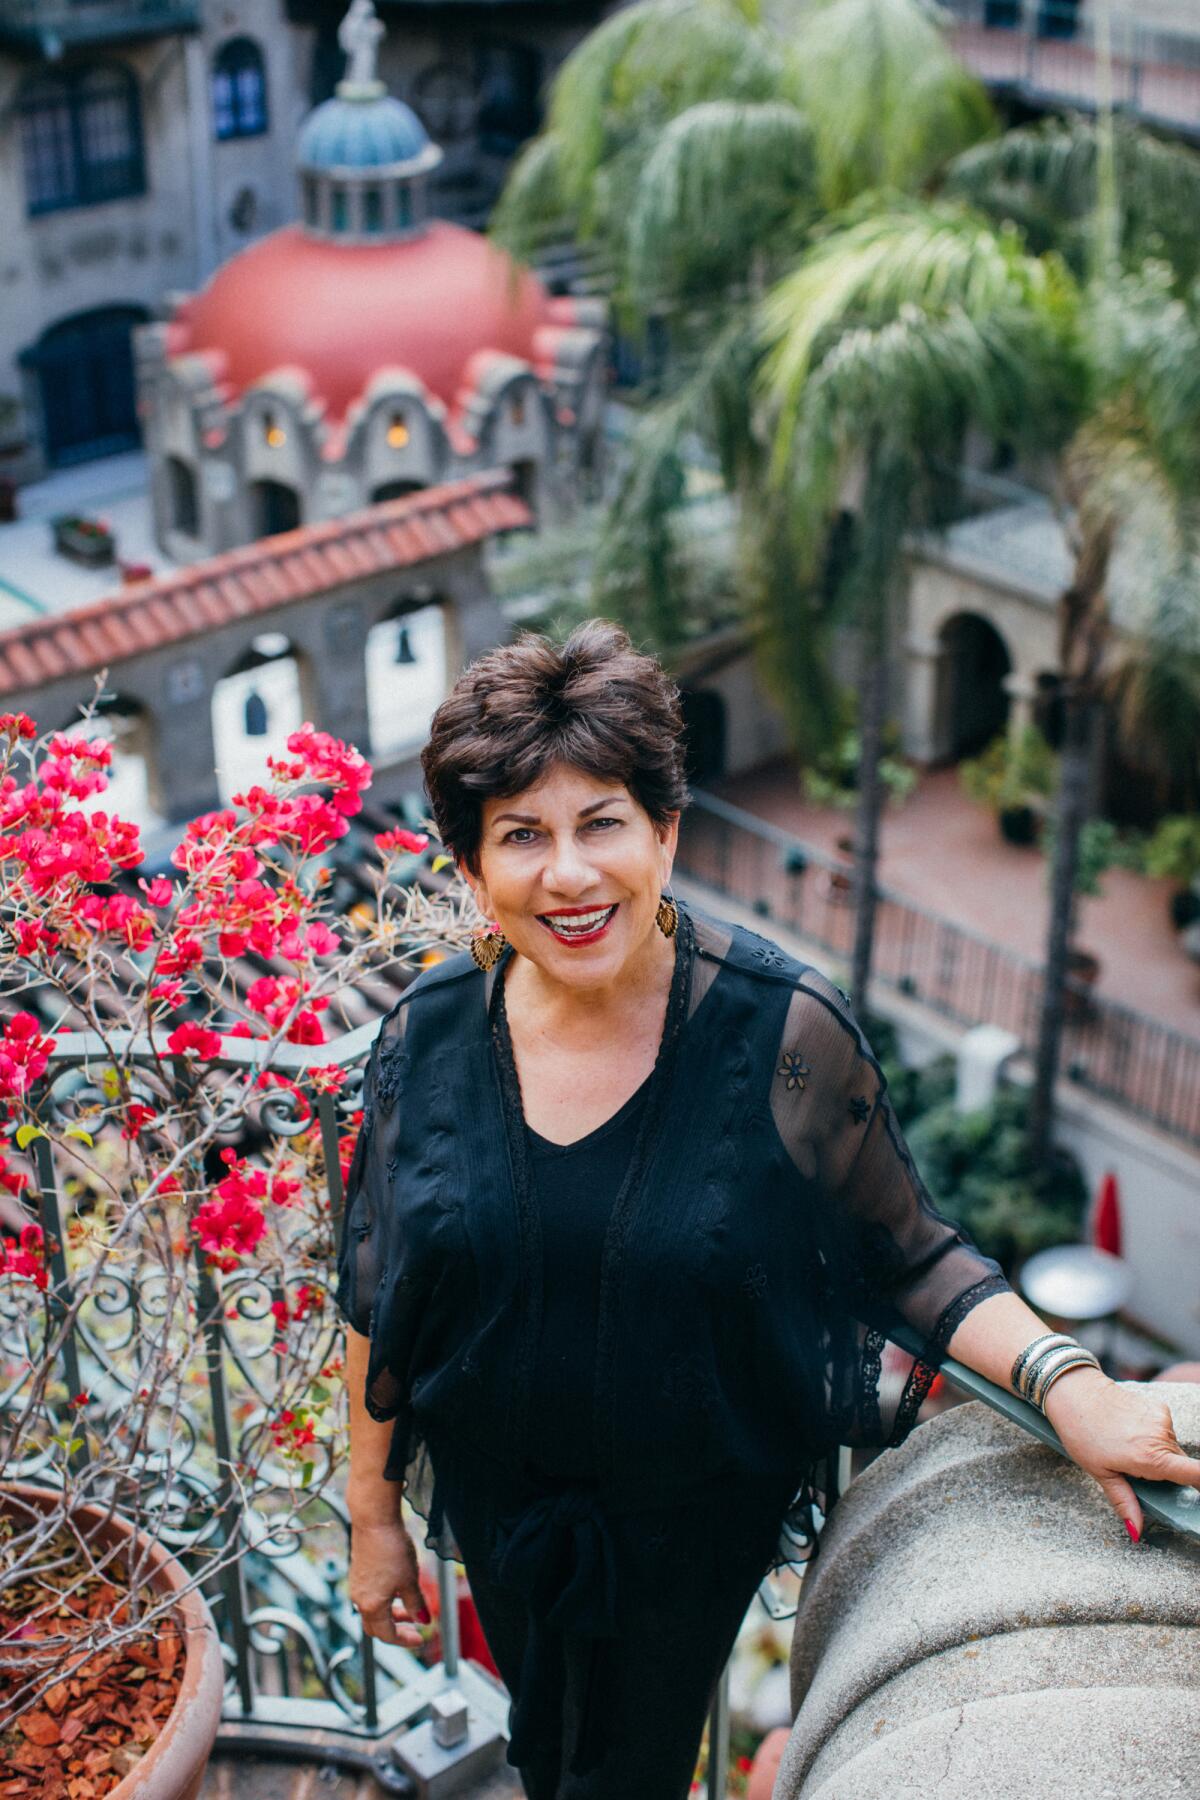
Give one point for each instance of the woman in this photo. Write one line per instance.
(628, 1218)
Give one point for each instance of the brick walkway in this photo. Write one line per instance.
(947, 855)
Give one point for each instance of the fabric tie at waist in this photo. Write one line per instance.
(559, 1554)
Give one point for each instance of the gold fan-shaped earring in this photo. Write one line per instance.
(667, 916)
(487, 947)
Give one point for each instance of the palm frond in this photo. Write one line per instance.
(888, 100)
(716, 190)
(1054, 166)
(928, 258)
(533, 208)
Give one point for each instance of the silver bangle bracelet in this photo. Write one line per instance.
(1038, 1376)
(1031, 1350)
(1086, 1360)
(1045, 1357)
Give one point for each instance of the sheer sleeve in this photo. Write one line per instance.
(891, 1257)
(365, 1251)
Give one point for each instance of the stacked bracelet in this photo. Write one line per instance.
(1042, 1362)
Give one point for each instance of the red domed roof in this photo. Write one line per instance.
(340, 312)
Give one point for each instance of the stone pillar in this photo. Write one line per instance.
(977, 1623)
(923, 733)
(185, 752)
(1022, 693)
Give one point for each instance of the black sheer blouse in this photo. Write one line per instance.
(770, 1230)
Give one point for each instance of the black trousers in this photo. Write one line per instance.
(685, 1577)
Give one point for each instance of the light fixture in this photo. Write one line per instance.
(404, 650)
(255, 714)
(273, 432)
(398, 432)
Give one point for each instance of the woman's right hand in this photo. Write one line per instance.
(384, 1583)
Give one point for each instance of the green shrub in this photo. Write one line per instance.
(977, 1168)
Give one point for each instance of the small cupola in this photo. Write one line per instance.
(364, 157)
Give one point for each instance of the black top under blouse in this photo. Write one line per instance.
(574, 1187)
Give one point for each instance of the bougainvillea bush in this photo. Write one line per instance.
(170, 1088)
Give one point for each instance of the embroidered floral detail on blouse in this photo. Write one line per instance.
(794, 1069)
(769, 956)
(658, 1539)
(754, 1281)
(860, 1109)
(390, 1073)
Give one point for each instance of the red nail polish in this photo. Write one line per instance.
(1132, 1529)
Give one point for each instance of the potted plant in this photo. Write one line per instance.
(169, 1360)
(1015, 777)
(1173, 852)
(87, 541)
(831, 779)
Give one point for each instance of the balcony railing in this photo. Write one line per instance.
(1053, 52)
(53, 26)
(1149, 1069)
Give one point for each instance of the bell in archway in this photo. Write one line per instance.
(256, 715)
(404, 650)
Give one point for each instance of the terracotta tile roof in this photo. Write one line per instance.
(275, 571)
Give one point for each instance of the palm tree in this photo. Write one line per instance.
(895, 333)
(900, 329)
(1118, 203)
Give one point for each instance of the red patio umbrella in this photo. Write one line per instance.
(1106, 1216)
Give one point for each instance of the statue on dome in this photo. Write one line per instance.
(359, 34)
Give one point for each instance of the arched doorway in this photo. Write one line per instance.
(394, 490)
(256, 705)
(274, 507)
(972, 702)
(184, 497)
(83, 367)
(703, 734)
(406, 671)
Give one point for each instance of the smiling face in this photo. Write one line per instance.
(572, 870)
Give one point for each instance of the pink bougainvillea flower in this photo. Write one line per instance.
(137, 1117)
(32, 936)
(12, 1180)
(159, 892)
(229, 1228)
(24, 1054)
(321, 941)
(17, 725)
(412, 842)
(191, 1038)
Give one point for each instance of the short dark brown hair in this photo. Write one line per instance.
(593, 702)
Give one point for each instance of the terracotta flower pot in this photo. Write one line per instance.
(173, 1768)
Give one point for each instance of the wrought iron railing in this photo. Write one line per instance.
(1149, 1069)
(302, 1679)
(1056, 51)
(57, 25)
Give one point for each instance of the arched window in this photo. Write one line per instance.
(185, 498)
(81, 137)
(239, 90)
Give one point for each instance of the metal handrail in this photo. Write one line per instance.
(1150, 1069)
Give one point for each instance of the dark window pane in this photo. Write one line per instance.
(51, 170)
(373, 211)
(239, 89)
